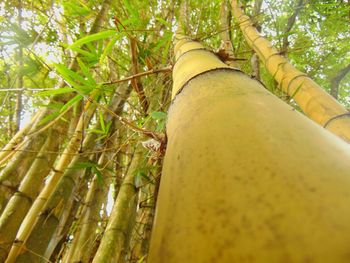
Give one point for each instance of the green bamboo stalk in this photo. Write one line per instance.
(85, 237)
(116, 234)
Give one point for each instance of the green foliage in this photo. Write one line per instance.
(317, 45)
(160, 118)
(93, 37)
(104, 128)
(141, 177)
(93, 167)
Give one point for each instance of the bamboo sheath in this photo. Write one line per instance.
(245, 177)
(312, 99)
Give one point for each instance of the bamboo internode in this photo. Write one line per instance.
(246, 178)
(312, 99)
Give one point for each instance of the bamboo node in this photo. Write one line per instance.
(335, 118)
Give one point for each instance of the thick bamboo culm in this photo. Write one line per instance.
(316, 103)
(246, 178)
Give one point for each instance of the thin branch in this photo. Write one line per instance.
(145, 73)
(25, 90)
(135, 82)
(290, 24)
(335, 81)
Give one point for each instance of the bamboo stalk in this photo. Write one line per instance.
(20, 202)
(9, 148)
(15, 170)
(316, 103)
(29, 221)
(88, 223)
(245, 177)
(254, 61)
(51, 214)
(115, 236)
(225, 34)
(335, 81)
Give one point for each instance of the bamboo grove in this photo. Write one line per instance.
(160, 131)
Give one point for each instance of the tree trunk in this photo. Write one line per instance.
(290, 23)
(337, 79)
(226, 46)
(18, 108)
(255, 62)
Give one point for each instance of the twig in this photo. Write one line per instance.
(145, 73)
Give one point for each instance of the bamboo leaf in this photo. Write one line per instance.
(69, 75)
(97, 131)
(74, 100)
(162, 21)
(142, 259)
(158, 115)
(83, 165)
(98, 174)
(93, 37)
(86, 72)
(83, 52)
(102, 122)
(108, 48)
(49, 117)
(54, 92)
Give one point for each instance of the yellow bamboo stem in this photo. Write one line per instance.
(246, 178)
(46, 224)
(20, 202)
(29, 221)
(11, 145)
(312, 99)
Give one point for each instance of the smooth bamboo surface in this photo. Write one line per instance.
(246, 178)
(315, 102)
